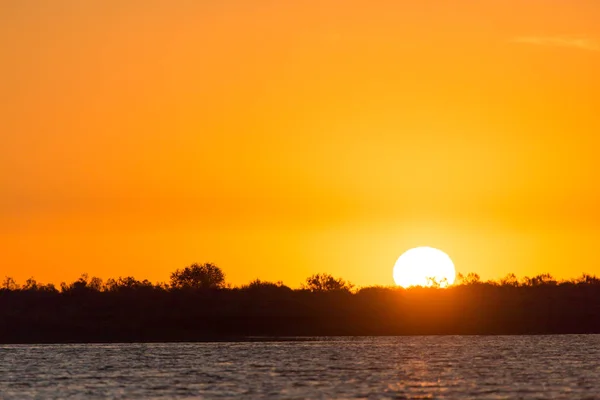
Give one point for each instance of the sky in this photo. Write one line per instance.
(279, 139)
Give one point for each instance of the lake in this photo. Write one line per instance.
(444, 367)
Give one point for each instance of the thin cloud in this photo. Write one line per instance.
(582, 43)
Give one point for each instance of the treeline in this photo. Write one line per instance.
(197, 304)
(193, 277)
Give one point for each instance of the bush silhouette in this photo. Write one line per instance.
(9, 284)
(326, 283)
(470, 279)
(510, 280)
(205, 276)
(257, 284)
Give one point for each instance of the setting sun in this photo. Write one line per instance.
(424, 266)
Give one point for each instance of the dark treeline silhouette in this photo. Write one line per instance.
(197, 304)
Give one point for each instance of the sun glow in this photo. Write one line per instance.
(424, 266)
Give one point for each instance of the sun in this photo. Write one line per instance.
(424, 266)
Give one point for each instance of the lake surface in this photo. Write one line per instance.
(444, 367)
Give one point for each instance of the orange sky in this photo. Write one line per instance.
(283, 138)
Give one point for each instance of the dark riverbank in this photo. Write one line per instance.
(147, 313)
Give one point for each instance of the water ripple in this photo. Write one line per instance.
(436, 367)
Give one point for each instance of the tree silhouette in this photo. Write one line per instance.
(205, 276)
(541, 279)
(471, 279)
(30, 284)
(326, 283)
(9, 284)
(510, 280)
(588, 279)
(96, 284)
(257, 284)
(436, 283)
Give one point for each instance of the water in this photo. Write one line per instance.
(445, 367)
